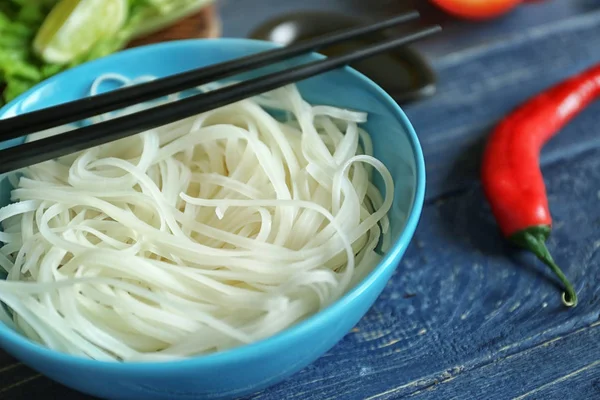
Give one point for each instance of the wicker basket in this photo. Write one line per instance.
(203, 24)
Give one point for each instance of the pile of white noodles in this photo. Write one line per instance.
(211, 232)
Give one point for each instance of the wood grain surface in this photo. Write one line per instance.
(204, 24)
(467, 316)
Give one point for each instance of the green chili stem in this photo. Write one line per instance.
(534, 240)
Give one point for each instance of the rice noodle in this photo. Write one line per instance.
(199, 236)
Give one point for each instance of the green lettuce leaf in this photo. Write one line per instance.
(20, 68)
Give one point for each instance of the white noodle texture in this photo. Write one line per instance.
(199, 236)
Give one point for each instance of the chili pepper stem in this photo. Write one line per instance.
(534, 240)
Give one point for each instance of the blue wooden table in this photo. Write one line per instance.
(466, 316)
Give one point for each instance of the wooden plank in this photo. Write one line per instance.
(564, 367)
(203, 24)
(479, 86)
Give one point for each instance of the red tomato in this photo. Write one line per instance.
(477, 9)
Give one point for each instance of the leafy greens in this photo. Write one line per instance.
(20, 20)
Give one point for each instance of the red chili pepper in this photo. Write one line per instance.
(512, 179)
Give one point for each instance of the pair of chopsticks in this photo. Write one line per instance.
(31, 153)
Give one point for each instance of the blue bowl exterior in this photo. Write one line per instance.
(253, 367)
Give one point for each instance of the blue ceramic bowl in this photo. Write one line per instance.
(252, 367)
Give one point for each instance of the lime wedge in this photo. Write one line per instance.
(74, 26)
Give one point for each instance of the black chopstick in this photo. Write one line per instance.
(83, 138)
(80, 109)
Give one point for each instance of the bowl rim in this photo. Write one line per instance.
(255, 349)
